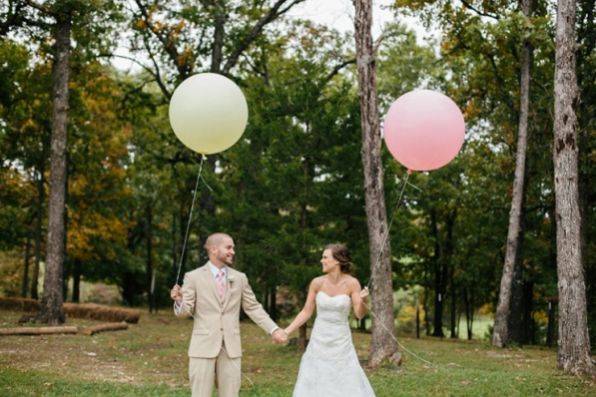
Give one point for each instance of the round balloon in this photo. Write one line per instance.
(208, 113)
(424, 130)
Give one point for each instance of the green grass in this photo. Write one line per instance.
(150, 360)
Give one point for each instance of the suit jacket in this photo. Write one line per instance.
(216, 321)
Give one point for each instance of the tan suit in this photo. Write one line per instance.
(215, 345)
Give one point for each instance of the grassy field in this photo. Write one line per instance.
(150, 360)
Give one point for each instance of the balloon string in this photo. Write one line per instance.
(396, 341)
(203, 157)
(386, 237)
(194, 195)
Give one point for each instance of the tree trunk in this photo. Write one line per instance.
(273, 303)
(516, 303)
(383, 344)
(302, 342)
(66, 265)
(469, 313)
(38, 229)
(454, 322)
(528, 326)
(501, 332)
(426, 312)
(550, 326)
(25, 283)
(51, 311)
(218, 37)
(174, 246)
(362, 324)
(573, 355)
(417, 318)
(438, 281)
(149, 256)
(76, 280)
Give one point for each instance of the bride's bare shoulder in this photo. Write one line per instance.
(317, 282)
(352, 282)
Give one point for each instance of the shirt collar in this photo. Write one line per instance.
(214, 269)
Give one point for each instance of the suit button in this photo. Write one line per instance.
(221, 329)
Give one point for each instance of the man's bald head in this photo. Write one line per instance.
(216, 239)
(220, 248)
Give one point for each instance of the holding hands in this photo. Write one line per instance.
(279, 336)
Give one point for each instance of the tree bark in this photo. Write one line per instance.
(454, 331)
(469, 307)
(150, 276)
(439, 284)
(573, 355)
(550, 326)
(426, 312)
(417, 318)
(502, 332)
(528, 326)
(302, 340)
(76, 280)
(51, 311)
(25, 283)
(38, 228)
(39, 330)
(383, 344)
(104, 327)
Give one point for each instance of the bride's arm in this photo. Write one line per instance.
(307, 310)
(359, 297)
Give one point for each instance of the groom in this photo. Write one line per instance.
(212, 294)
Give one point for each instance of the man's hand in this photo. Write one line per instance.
(176, 293)
(279, 336)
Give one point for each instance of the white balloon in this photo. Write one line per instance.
(208, 113)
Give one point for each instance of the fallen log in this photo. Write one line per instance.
(39, 330)
(89, 311)
(93, 311)
(104, 327)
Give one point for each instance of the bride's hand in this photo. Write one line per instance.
(364, 293)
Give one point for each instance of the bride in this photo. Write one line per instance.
(330, 366)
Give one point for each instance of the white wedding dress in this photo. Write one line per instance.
(330, 367)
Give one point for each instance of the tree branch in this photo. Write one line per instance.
(170, 49)
(477, 11)
(39, 7)
(274, 12)
(337, 69)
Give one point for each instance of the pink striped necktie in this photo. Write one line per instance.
(220, 281)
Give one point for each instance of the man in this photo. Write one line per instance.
(212, 294)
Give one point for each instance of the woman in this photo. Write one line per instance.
(330, 366)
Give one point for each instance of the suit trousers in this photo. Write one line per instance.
(202, 373)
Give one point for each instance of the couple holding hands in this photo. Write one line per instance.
(213, 295)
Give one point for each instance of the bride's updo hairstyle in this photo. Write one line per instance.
(342, 255)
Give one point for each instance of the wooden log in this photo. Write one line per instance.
(39, 330)
(89, 311)
(104, 327)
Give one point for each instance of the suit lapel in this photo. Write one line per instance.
(210, 283)
(228, 287)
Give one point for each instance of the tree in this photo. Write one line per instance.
(51, 303)
(504, 315)
(573, 354)
(383, 344)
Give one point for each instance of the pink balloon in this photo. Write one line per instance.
(424, 130)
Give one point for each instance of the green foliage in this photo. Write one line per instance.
(294, 181)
